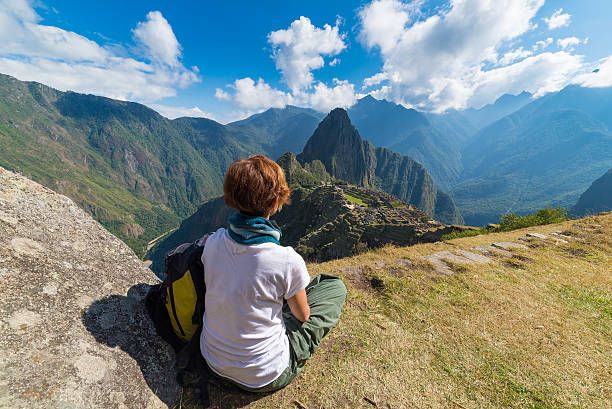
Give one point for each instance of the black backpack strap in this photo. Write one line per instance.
(190, 359)
(159, 315)
(204, 377)
(197, 275)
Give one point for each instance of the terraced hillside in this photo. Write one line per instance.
(326, 219)
(529, 326)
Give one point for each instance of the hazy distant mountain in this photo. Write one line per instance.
(346, 156)
(409, 132)
(504, 105)
(461, 125)
(277, 130)
(546, 153)
(597, 198)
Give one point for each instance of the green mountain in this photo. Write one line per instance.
(409, 132)
(597, 198)
(545, 154)
(276, 130)
(338, 145)
(327, 218)
(123, 162)
(135, 171)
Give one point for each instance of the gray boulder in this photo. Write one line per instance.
(74, 331)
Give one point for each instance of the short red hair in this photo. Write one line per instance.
(252, 185)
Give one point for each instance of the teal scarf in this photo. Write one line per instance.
(252, 230)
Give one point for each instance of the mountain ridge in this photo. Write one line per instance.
(597, 198)
(545, 154)
(135, 171)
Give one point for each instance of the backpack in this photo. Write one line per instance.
(176, 307)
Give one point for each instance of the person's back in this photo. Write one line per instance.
(244, 333)
(250, 336)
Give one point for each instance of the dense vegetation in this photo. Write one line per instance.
(135, 171)
(545, 154)
(513, 221)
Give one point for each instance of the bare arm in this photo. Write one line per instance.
(298, 304)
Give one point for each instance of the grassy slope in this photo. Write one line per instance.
(533, 331)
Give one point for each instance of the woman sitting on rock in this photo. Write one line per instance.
(263, 319)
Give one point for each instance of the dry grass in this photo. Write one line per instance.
(530, 331)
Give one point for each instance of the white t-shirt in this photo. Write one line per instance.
(243, 334)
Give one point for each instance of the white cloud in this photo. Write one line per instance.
(252, 95)
(300, 49)
(222, 95)
(297, 51)
(171, 112)
(557, 20)
(569, 42)
(514, 55)
(383, 23)
(324, 98)
(600, 75)
(156, 35)
(539, 74)
(375, 79)
(443, 61)
(542, 44)
(68, 61)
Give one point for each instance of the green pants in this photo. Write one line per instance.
(326, 296)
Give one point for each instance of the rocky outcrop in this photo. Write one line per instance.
(74, 330)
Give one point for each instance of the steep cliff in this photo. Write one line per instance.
(597, 198)
(346, 156)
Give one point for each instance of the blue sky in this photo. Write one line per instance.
(227, 60)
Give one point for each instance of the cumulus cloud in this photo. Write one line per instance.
(324, 98)
(570, 42)
(68, 61)
(383, 23)
(443, 60)
(222, 95)
(156, 35)
(542, 44)
(514, 55)
(539, 74)
(375, 79)
(297, 51)
(557, 20)
(600, 75)
(252, 95)
(300, 49)
(171, 112)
